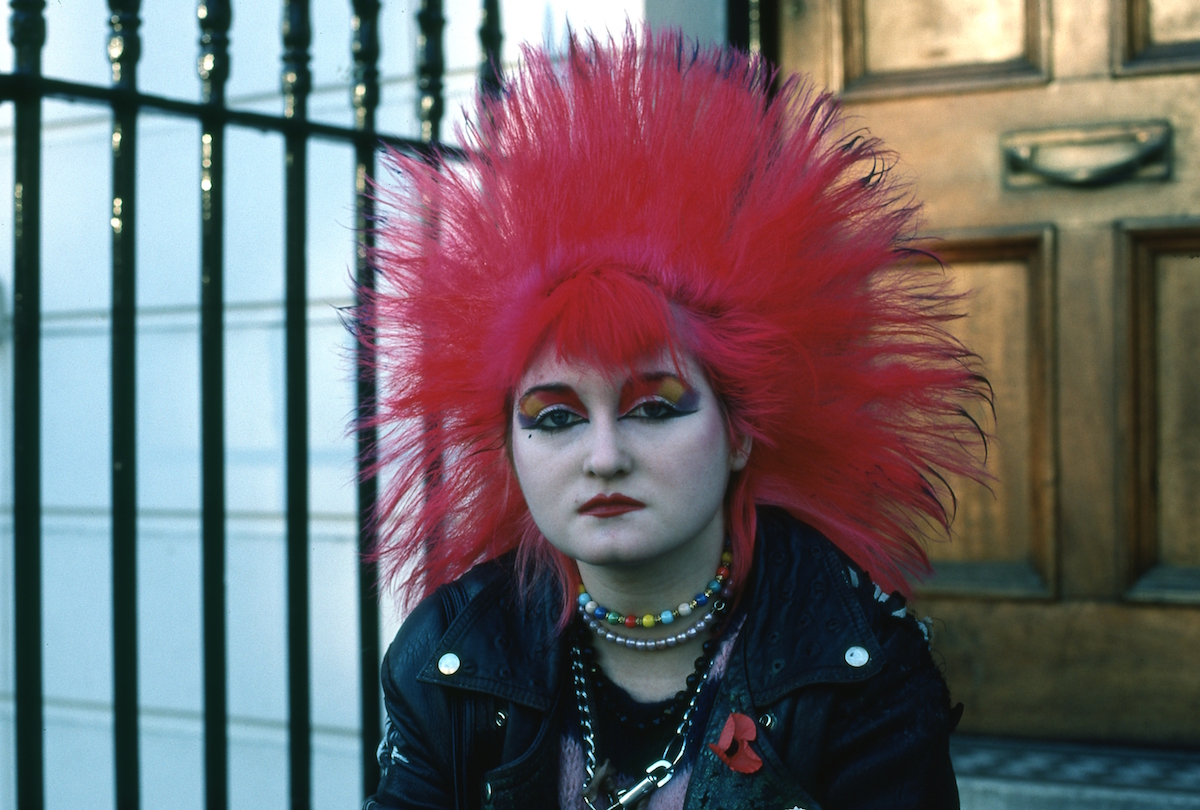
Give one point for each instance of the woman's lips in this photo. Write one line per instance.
(603, 506)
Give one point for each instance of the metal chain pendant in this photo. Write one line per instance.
(659, 772)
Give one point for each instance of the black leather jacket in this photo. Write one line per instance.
(484, 729)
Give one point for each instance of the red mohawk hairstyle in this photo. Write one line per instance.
(649, 195)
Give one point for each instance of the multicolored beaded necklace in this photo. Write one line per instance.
(596, 614)
(706, 621)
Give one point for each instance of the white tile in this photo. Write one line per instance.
(256, 600)
(253, 213)
(170, 621)
(168, 207)
(76, 408)
(168, 417)
(79, 756)
(258, 766)
(76, 213)
(172, 760)
(333, 568)
(77, 608)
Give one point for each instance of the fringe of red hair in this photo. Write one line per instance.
(649, 194)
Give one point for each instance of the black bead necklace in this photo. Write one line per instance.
(683, 705)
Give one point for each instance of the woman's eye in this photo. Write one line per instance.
(556, 418)
(654, 409)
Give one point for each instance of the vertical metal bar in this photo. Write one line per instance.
(765, 20)
(737, 24)
(491, 38)
(215, 17)
(28, 33)
(365, 50)
(753, 26)
(297, 81)
(755, 15)
(431, 66)
(124, 48)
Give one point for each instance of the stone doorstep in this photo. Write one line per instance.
(999, 774)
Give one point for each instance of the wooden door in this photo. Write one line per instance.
(1057, 148)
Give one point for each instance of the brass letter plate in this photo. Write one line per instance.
(1087, 156)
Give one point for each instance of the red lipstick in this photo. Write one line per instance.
(604, 506)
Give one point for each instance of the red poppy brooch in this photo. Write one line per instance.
(733, 746)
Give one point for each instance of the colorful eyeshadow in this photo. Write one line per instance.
(663, 386)
(538, 399)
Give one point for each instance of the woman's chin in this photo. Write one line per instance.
(622, 550)
(639, 539)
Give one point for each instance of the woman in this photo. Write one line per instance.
(667, 406)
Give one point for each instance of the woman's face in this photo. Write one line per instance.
(624, 469)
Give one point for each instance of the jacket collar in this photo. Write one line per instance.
(502, 644)
(803, 623)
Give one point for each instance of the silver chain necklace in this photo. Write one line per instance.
(658, 773)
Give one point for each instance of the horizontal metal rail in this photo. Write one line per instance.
(19, 86)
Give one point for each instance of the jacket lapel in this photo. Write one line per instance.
(502, 645)
(805, 622)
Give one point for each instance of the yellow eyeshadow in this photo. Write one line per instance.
(531, 405)
(671, 389)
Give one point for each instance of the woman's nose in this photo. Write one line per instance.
(607, 455)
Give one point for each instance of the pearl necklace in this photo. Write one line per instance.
(692, 632)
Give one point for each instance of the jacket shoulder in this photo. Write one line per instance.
(881, 709)
(482, 634)
(886, 612)
(423, 629)
(418, 762)
(896, 725)
(813, 604)
(790, 542)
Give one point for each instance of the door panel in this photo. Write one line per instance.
(939, 34)
(1075, 669)
(899, 48)
(1174, 21)
(1056, 147)
(1176, 337)
(1004, 531)
(1164, 294)
(1155, 35)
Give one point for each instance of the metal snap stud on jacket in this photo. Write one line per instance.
(857, 656)
(448, 664)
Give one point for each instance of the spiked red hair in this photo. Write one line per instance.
(645, 195)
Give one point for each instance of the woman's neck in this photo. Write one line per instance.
(652, 587)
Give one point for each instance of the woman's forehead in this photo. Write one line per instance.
(551, 369)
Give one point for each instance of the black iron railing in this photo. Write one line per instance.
(124, 48)
(26, 89)
(28, 30)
